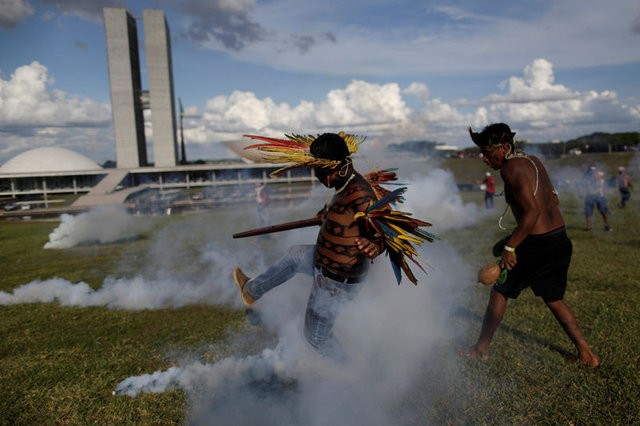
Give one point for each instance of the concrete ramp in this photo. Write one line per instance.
(105, 191)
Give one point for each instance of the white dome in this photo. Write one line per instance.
(51, 159)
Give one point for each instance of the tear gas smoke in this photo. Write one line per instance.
(390, 332)
(103, 225)
(436, 199)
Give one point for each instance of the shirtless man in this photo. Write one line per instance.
(339, 260)
(538, 251)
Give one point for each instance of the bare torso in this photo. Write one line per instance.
(535, 209)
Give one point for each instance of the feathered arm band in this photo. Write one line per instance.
(401, 233)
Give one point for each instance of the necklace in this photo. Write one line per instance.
(535, 191)
(346, 183)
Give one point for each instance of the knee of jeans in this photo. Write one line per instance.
(314, 340)
(312, 332)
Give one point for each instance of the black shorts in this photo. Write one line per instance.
(543, 264)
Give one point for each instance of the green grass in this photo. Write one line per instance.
(526, 380)
(59, 365)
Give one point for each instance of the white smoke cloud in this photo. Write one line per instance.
(390, 332)
(102, 225)
(156, 287)
(133, 294)
(439, 189)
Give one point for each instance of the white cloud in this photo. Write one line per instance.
(533, 103)
(544, 110)
(363, 103)
(361, 106)
(25, 100)
(537, 107)
(33, 114)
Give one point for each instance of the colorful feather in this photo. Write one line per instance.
(379, 177)
(295, 150)
(401, 233)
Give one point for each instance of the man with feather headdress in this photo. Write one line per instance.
(352, 233)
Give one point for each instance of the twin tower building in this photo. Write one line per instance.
(129, 100)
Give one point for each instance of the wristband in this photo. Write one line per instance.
(510, 249)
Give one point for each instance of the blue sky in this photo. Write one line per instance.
(391, 70)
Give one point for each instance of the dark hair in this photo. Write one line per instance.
(329, 146)
(493, 134)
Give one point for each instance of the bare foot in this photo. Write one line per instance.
(474, 353)
(590, 361)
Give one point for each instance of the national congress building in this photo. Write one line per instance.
(32, 178)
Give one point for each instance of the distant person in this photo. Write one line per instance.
(593, 186)
(624, 186)
(489, 190)
(263, 200)
(538, 252)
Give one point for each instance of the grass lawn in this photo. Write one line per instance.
(59, 365)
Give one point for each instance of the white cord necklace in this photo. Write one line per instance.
(535, 191)
(346, 183)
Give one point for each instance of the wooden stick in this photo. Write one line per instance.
(304, 223)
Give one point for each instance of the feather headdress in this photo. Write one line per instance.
(295, 150)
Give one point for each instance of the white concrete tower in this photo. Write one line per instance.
(160, 80)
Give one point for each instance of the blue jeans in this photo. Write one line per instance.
(595, 200)
(326, 298)
(488, 200)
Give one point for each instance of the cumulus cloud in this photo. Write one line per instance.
(360, 105)
(13, 12)
(34, 114)
(533, 102)
(363, 103)
(535, 85)
(538, 107)
(26, 100)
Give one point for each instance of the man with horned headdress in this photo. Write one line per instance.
(538, 251)
(339, 260)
